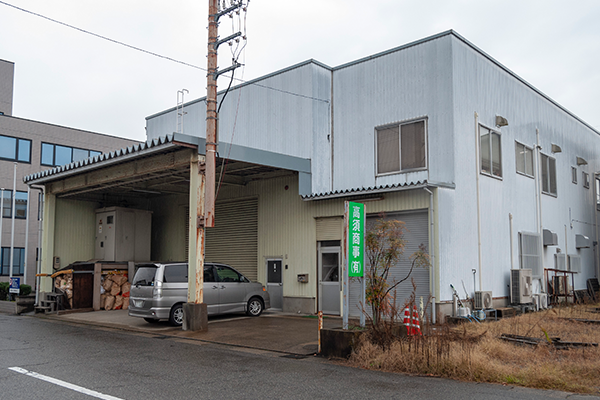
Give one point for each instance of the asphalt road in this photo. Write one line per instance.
(46, 359)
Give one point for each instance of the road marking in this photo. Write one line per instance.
(64, 384)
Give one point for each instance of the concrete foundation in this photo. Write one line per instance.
(195, 317)
(299, 305)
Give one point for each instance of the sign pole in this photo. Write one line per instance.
(354, 251)
(345, 277)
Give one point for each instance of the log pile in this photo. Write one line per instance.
(114, 294)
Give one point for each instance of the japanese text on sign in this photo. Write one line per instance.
(356, 239)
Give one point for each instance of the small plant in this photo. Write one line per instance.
(4, 286)
(25, 290)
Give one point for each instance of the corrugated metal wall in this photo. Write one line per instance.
(482, 86)
(398, 86)
(74, 232)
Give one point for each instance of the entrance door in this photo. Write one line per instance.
(275, 284)
(329, 280)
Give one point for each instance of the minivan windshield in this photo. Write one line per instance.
(144, 276)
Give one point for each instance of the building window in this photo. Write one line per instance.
(55, 155)
(15, 149)
(491, 152)
(574, 175)
(586, 180)
(20, 204)
(548, 175)
(18, 261)
(401, 147)
(524, 159)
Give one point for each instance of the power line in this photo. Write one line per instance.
(155, 54)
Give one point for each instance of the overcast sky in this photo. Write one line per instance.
(66, 77)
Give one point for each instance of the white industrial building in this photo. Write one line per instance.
(487, 172)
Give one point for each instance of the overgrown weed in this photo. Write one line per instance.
(475, 352)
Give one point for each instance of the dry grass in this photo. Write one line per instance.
(475, 352)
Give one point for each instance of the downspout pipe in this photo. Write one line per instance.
(477, 172)
(40, 232)
(432, 254)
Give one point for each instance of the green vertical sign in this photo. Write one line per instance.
(356, 239)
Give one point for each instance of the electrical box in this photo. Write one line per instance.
(303, 278)
(123, 234)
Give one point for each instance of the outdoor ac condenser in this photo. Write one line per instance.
(520, 286)
(483, 300)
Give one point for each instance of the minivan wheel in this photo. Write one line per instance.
(176, 316)
(255, 307)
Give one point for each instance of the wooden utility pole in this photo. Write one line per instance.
(211, 114)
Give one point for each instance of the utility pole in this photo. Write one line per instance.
(195, 314)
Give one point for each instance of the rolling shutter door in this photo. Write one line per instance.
(329, 229)
(416, 233)
(234, 238)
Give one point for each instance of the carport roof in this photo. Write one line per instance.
(162, 166)
(146, 148)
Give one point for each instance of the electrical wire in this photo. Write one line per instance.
(156, 54)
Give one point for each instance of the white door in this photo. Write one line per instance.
(329, 280)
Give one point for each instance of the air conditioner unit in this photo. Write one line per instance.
(520, 286)
(483, 300)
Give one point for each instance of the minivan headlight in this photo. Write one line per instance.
(157, 291)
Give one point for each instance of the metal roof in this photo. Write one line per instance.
(376, 190)
(94, 162)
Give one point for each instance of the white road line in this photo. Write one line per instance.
(64, 384)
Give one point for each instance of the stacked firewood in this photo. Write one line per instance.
(64, 283)
(114, 294)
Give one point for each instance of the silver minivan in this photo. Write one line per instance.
(158, 291)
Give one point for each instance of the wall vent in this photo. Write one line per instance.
(529, 253)
(550, 238)
(575, 263)
(560, 262)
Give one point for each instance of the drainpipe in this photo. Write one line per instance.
(510, 227)
(597, 253)
(432, 253)
(26, 236)
(40, 231)
(538, 193)
(477, 170)
(12, 232)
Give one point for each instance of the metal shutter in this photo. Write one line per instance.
(329, 228)
(416, 233)
(234, 238)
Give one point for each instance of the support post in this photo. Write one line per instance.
(195, 315)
